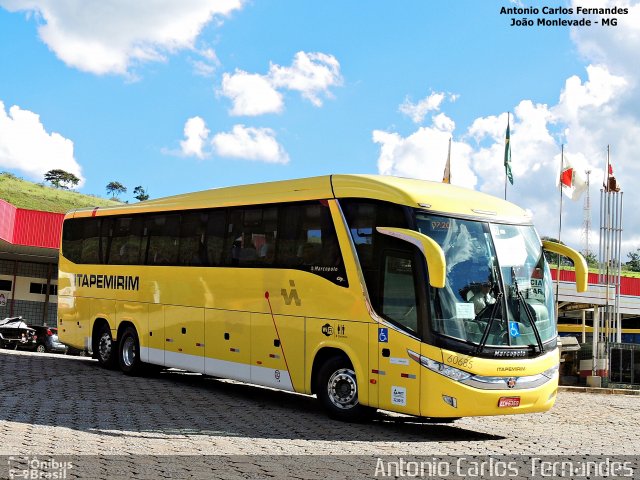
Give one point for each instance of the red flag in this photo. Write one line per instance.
(570, 181)
(611, 184)
(566, 178)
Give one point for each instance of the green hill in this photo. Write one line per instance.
(33, 196)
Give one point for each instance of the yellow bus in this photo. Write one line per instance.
(372, 292)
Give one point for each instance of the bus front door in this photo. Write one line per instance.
(398, 375)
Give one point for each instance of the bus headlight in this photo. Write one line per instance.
(441, 368)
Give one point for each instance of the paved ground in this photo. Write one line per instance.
(61, 405)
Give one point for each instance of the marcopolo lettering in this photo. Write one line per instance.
(114, 282)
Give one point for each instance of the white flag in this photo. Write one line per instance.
(571, 181)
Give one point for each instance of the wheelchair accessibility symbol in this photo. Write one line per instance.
(514, 329)
(383, 335)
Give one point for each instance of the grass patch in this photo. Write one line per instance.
(36, 196)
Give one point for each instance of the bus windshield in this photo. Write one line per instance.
(498, 291)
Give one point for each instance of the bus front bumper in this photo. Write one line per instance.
(444, 397)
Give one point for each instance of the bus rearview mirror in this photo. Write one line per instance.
(431, 251)
(580, 264)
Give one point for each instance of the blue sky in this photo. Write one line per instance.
(185, 96)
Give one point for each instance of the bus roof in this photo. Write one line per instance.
(432, 196)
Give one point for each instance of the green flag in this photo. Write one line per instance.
(507, 155)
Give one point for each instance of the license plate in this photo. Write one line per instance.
(506, 402)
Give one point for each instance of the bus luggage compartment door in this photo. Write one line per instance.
(228, 344)
(184, 338)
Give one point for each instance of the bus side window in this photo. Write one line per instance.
(287, 255)
(91, 241)
(216, 228)
(363, 216)
(264, 237)
(251, 236)
(106, 232)
(72, 239)
(307, 241)
(233, 238)
(126, 241)
(193, 249)
(399, 300)
(163, 234)
(81, 240)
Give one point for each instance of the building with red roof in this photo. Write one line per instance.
(29, 243)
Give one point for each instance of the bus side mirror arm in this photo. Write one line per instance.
(580, 264)
(431, 251)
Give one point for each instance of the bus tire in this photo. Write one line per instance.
(129, 352)
(337, 390)
(105, 347)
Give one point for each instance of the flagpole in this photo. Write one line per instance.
(607, 173)
(505, 170)
(559, 232)
(607, 315)
(446, 176)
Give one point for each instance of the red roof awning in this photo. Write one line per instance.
(32, 228)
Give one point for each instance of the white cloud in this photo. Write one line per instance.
(251, 94)
(598, 107)
(614, 46)
(310, 74)
(25, 145)
(208, 63)
(417, 111)
(423, 154)
(589, 114)
(250, 143)
(196, 134)
(111, 36)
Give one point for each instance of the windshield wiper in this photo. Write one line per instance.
(526, 306)
(485, 334)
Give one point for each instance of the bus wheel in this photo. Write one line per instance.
(337, 390)
(105, 347)
(129, 352)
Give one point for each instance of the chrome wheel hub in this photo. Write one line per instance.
(343, 389)
(129, 352)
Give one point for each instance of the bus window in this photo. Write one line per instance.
(163, 234)
(399, 301)
(193, 250)
(72, 240)
(363, 216)
(307, 241)
(91, 243)
(265, 238)
(126, 241)
(106, 235)
(251, 236)
(216, 227)
(234, 238)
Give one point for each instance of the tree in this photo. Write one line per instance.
(634, 261)
(590, 257)
(140, 194)
(61, 178)
(552, 258)
(115, 189)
